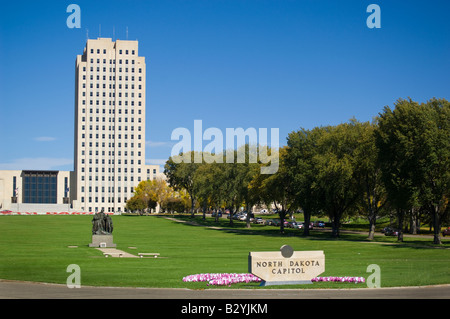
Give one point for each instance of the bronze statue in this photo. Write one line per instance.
(108, 224)
(102, 224)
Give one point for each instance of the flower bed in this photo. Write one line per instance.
(340, 279)
(224, 279)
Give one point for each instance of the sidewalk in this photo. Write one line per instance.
(29, 290)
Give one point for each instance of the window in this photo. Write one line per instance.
(40, 187)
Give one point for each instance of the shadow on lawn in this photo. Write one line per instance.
(239, 228)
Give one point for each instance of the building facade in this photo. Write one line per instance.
(109, 124)
(35, 191)
(109, 140)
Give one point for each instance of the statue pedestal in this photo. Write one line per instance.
(102, 241)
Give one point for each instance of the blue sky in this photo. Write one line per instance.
(232, 63)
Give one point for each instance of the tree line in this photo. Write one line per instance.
(397, 164)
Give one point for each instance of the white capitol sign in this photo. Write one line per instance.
(286, 266)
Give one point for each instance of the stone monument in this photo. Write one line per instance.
(286, 267)
(102, 228)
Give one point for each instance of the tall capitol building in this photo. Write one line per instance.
(109, 155)
(109, 150)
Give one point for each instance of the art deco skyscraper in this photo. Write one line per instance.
(109, 125)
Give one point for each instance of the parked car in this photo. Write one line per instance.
(243, 216)
(319, 223)
(292, 224)
(259, 220)
(273, 222)
(218, 213)
(446, 232)
(389, 231)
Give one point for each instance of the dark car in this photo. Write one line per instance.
(291, 224)
(389, 231)
(219, 213)
(446, 232)
(273, 222)
(319, 223)
(259, 220)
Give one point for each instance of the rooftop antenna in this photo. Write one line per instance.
(127, 33)
(99, 30)
(114, 34)
(87, 34)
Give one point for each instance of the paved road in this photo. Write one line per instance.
(29, 290)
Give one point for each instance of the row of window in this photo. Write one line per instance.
(110, 128)
(112, 86)
(111, 153)
(111, 170)
(83, 102)
(120, 51)
(112, 61)
(113, 137)
(110, 120)
(110, 178)
(110, 163)
(112, 189)
(112, 77)
(83, 153)
(110, 209)
(111, 94)
(113, 103)
(96, 200)
(111, 69)
(113, 111)
(110, 136)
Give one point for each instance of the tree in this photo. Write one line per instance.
(153, 192)
(136, 203)
(373, 193)
(414, 154)
(246, 173)
(278, 188)
(180, 171)
(207, 183)
(435, 163)
(336, 171)
(300, 154)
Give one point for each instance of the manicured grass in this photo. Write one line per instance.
(35, 248)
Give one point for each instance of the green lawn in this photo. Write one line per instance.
(35, 248)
